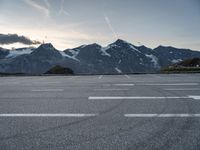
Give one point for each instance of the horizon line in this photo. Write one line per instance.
(33, 46)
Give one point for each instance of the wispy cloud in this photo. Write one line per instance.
(62, 10)
(39, 7)
(108, 22)
(47, 4)
(14, 38)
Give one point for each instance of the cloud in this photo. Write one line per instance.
(39, 7)
(14, 38)
(62, 10)
(47, 4)
(108, 22)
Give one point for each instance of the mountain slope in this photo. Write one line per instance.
(38, 61)
(117, 57)
(3, 53)
(171, 55)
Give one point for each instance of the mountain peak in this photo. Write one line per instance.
(92, 45)
(123, 44)
(143, 46)
(95, 44)
(47, 51)
(120, 41)
(47, 46)
(162, 47)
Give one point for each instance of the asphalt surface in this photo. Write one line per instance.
(142, 112)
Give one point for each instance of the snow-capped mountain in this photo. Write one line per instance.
(117, 57)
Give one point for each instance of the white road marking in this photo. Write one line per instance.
(124, 84)
(47, 82)
(134, 98)
(101, 76)
(48, 115)
(111, 89)
(183, 89)
(10, 83)
(170, 84)
(161, 115)
(127, 76)
(194, 97)
(48, 90)
(152, 84)
(119, 84)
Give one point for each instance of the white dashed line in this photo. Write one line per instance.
(101, 76)
(161, 115)
(183, 89)
(119, 84)
(46, 82)
(48, 90)
(127, 76)
(111, 89)
(135, 98)
(48, 115)
(154, 84)
(174, 84)
(197, 97)
(123, 84)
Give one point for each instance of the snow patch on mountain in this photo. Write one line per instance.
(65, 55)
(118, 70)
(141, 61)
(74, 52)
(176, 60)
(154, 59)
(113, 46)
(104, 49)
(15, 53)
(133, 48)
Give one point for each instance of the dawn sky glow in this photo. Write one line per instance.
(71, 23)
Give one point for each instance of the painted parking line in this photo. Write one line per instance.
(120, 84)
(127, 76)
(140, 97)
(170, 84)
(130, 98)
(101, 76)
(111, 89)
(183, 89)
(196, 97)
(153, 84)
(47, 90)
(160, 115)
(123, 84)
(47, 115)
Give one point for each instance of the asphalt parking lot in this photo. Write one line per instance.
(153, 111)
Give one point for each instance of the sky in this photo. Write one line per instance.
(71, 23)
